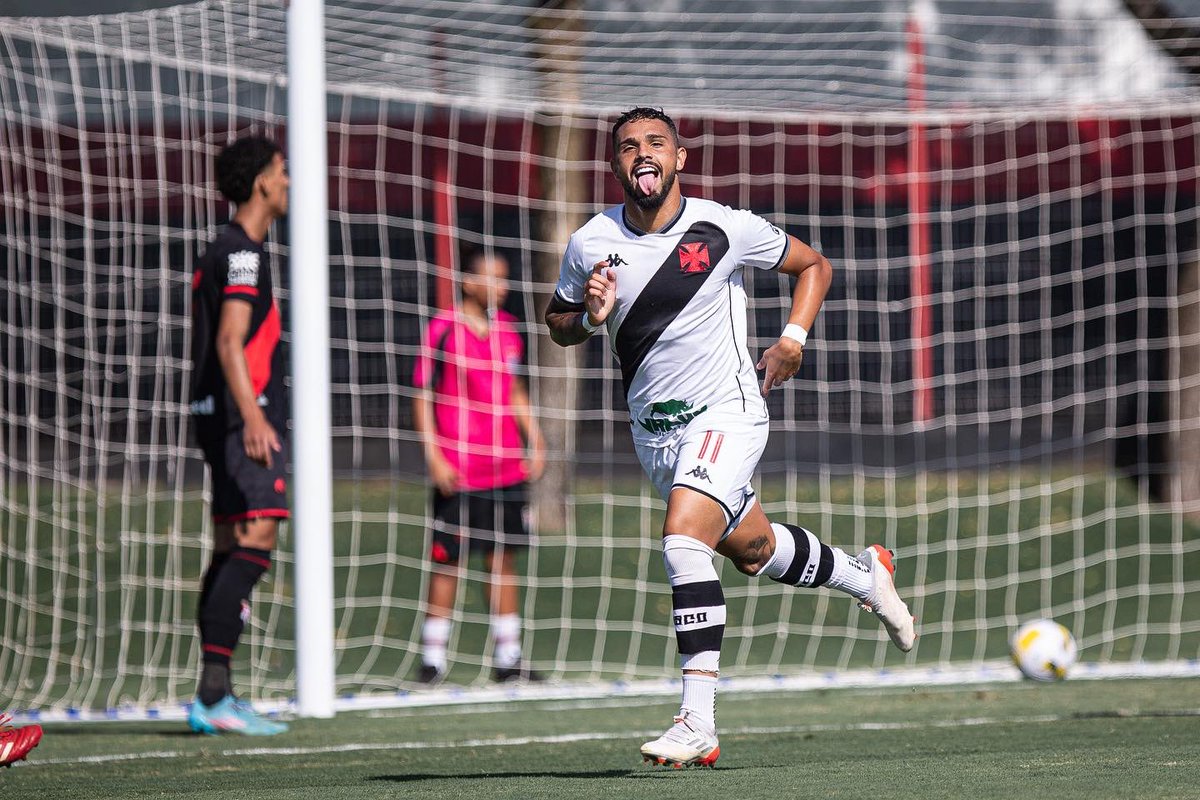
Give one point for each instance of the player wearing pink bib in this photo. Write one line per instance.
(471, 377)
(475, 420)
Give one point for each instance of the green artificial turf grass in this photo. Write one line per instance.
(1079, 739)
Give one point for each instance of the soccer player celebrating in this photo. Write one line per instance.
(664, 274)
(240, 414)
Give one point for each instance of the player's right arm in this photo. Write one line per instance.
(441, 471)
(565, 320)
(258, 436)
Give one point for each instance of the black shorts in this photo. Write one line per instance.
(243, 489)
(486, 518)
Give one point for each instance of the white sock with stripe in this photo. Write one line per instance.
(800, 559)
(698, 606)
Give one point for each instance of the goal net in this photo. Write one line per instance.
(1002, 386)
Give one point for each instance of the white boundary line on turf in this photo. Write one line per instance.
(999, 671)
(571, 738)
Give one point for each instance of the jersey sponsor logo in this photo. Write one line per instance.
(699, 472)
(668, 415)
(204, 407)
(693, 257)
(243, 268)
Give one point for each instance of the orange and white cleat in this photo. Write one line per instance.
(883, 600)
(15, 743)
(687, 743)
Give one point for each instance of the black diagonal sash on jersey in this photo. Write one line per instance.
(666, 294)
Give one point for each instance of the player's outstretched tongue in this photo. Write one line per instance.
(647, 182)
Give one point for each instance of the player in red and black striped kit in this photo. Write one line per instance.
(239, 411)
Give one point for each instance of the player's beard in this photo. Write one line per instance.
(649, 202)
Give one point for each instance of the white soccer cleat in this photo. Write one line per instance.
(883, 601)
(688, 743)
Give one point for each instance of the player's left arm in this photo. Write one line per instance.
(813, 274)
(535, 462)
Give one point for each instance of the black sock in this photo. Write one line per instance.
(214, 683)
(221, 615)
(210, 577)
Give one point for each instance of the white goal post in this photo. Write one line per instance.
(1001, 387)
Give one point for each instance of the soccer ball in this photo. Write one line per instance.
(1043, 650)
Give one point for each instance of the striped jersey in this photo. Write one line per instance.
(678, 329)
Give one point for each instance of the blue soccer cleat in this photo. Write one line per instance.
(230, 715)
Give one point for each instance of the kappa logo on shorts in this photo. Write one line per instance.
(280, 486)
(700, 472)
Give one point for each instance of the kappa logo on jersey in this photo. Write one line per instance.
(700, 472)
(615, 260)
(693, 257)
(243, 268)
(669, 414)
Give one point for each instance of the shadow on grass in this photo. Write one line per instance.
(484, 776)
(134, 730)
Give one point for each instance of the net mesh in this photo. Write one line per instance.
(1033, 470)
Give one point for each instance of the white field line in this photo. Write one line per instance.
(470, 697)
(565, 738)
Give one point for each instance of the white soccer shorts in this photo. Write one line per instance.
(714, 455)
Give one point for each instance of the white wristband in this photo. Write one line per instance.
(793, 331)
(587, 326)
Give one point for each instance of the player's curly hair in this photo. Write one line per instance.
(640, 113)
(240, 163)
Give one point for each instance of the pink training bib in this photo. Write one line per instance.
(472, 378)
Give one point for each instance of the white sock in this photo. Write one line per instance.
(800, 559)
(700, 698)
(435, 635)
(849, 575)
(506, 635)
(785, 552)
(697, 602)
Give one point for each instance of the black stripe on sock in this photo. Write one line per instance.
(826, 567)
(697, 595)
(701, 640)
(792, 574)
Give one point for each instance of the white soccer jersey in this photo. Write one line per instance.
(678, 328)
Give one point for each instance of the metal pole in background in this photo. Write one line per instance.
(309, 322)
(919, 242)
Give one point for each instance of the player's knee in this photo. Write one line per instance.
(749, 565)
(752, 556)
